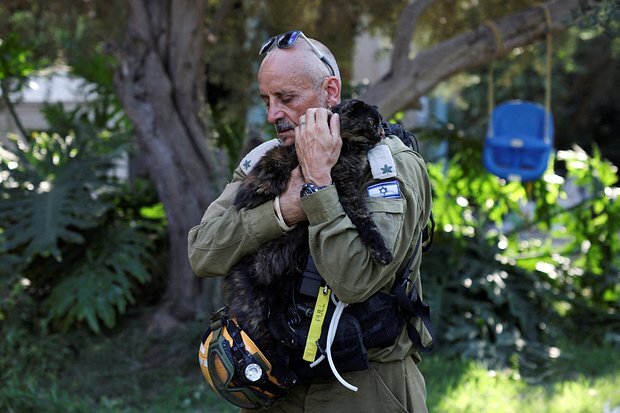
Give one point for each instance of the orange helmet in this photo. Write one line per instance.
(234, 366)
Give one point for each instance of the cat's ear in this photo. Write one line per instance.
(376, 108)
(357, 104)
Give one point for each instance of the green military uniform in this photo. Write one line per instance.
(225, 235)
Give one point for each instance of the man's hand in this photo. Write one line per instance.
(290, 201)
(318, 144)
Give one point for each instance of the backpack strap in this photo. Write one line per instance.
(407, 137)
(411, 304)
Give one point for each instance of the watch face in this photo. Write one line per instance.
(309, 188)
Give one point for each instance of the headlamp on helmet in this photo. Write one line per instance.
(234, 366)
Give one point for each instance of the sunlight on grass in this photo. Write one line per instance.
(585, 396)
(480, 391)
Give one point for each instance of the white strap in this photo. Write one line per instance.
(331, 334)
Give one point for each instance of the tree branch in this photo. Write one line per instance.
(404, 32)
(7, 100)
(399, 89)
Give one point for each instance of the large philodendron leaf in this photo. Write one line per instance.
(40, 220)
(49, 193)
(100, 286)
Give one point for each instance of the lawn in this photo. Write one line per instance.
(131, 371)
(584, 380)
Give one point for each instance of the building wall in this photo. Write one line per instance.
(371, 61)
(53, 85)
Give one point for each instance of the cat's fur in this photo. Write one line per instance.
(259, 287)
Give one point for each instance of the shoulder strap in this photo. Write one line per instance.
(428, 234)
(404, 135)
(411, 304)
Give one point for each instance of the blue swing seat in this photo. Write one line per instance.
(516, 146)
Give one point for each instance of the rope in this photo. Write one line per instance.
(548, 57)
(499, 51)
(499, 41)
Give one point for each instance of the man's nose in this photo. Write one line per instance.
(274, 112)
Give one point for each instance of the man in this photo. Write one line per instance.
(299, 82)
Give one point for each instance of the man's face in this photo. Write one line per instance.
(287, 92)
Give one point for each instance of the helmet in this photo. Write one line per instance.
(234, 366)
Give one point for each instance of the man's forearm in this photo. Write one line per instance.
(225, 235)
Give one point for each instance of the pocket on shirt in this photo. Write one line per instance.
(388, 215)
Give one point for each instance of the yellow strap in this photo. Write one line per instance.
(314, 333)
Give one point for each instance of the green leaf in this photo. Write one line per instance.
(99, 287)
(50, 192)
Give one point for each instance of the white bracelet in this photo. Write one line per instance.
(279, 217)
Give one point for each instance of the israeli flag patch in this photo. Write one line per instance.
(387, 189)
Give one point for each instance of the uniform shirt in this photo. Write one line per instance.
(225, 235)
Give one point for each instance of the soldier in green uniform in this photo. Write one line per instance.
(299, 81)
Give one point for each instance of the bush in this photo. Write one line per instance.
(68, 234)
(512, 266)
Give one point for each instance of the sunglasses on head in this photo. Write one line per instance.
(286, 40)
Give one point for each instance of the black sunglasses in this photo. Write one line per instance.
(286, 40)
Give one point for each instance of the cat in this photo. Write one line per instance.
(259, 287)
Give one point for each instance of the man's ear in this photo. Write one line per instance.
(331, 85)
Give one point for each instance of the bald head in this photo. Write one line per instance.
(304, 60)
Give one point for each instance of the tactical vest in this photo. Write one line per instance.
(374, 323)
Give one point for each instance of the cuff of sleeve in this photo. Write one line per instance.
(262, 223)
(322, 206)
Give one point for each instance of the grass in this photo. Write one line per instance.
(585, 379)
(131, 371)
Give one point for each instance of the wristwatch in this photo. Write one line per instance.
(310, 188)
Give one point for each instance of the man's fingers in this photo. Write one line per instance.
(322, 117)
(334, 125)
(309, 117)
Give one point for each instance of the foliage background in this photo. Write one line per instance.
(517, 275)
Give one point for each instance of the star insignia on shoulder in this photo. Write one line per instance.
(386, 169)
(246, 164)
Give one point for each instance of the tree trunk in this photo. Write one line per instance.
(159, 81)
(410, 79)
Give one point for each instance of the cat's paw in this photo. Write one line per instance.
(382, 257)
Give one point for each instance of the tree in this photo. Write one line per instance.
(160, 80)
(409, 79)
